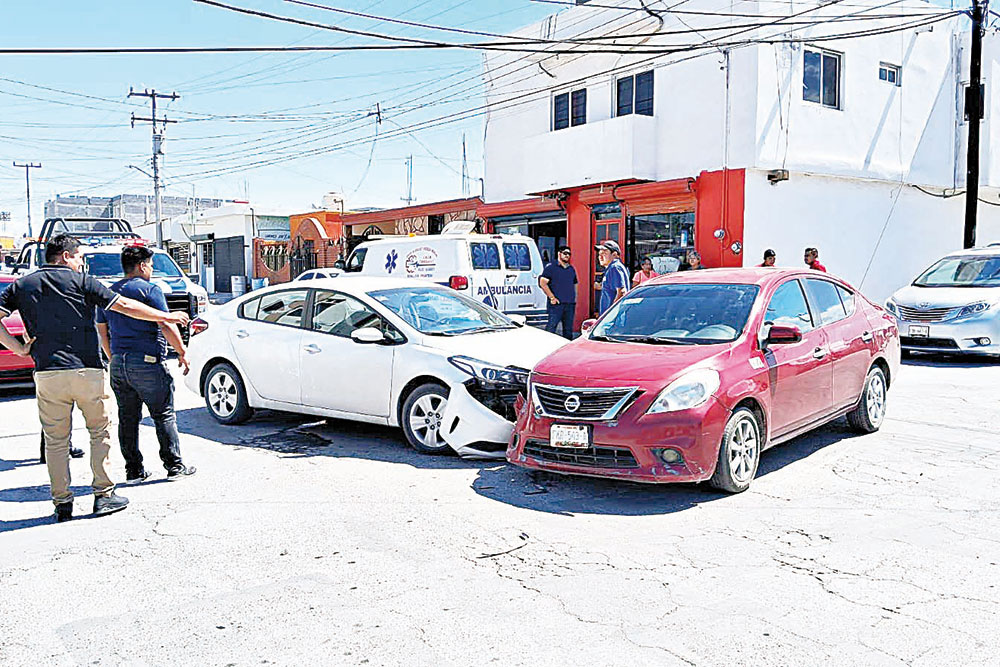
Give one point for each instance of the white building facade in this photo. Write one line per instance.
(768, 125)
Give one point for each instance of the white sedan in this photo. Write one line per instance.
(444, 367)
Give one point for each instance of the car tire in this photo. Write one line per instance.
(868, 415)
(739, 453)
(226, 395)
(421, 418)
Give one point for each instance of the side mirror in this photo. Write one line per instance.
(587, 325)
(340, 264)
(367, 336)
(194, 277)
(519, 320)
(783, 335)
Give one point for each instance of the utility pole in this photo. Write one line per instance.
(974, 115)
(409, 181)
(28, 166)
(157, 148)
(465, 169)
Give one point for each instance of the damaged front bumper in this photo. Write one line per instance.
(473, 429)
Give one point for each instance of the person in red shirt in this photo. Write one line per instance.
(769, 258)
(812, 260)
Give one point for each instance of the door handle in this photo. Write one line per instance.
(819, 353)
(312, 349)
(241, 333)
(867, 336)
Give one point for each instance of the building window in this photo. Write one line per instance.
(634, 94)
(569, 109)
(821, 78)
(889, 73)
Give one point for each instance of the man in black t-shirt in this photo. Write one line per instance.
(57, 305)
(558, 281)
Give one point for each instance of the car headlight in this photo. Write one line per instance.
(688, 391)
(491, 373)
(975, 308)
(890, 305)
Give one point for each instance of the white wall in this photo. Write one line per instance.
(844, 219)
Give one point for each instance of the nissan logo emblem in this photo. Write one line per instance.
(572, 403)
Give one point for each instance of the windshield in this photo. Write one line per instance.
(678, 314)
(962, 272)
(441, 312)
(106, 265)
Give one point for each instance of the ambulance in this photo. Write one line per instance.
(499, 270)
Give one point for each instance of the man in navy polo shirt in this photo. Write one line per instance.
(139, 375)
(57, 304)
(558, 281)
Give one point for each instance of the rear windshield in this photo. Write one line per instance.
(516, 256)
(485, 255)
(105, 265)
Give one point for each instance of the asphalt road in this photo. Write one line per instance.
(301, 542)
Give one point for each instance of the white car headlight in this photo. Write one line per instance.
(890, 305)
(688, 391)
(490, 373)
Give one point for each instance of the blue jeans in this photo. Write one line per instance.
(135, 382)
(561, 313)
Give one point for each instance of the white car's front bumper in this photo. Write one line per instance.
(468, 423)
(965, 336)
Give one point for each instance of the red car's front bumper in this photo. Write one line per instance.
(14, 369)
(629, 448)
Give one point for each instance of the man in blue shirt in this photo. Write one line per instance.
(139, 375)
(616, 280)
(558, 281)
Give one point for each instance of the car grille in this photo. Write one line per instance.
(931, 343)
(594, 404)
(591, 457)
(179, 302)
(911, 314)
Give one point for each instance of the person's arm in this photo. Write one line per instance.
(13, 344)
(173, 336)
(622, 284)
(102, 332)
(140, 311)
(543, 282)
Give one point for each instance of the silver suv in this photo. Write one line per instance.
(954, 306)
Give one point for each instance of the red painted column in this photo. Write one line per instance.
(720, 197)
(580, 238)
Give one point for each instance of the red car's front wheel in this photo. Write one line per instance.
(739, 452)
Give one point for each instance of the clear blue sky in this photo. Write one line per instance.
(85, 145)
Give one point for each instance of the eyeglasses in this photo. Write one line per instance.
(565, 252)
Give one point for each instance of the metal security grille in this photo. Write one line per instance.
(590, 403)
(591, 457)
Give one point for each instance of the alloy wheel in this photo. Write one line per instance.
(743, 450)
(425, 420)
(222, 394)
(875, 399)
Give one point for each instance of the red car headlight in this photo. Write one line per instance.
(690, 390)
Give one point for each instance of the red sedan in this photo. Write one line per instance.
(689, 377)
(13, 369)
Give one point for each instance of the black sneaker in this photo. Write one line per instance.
(180, 472)
(109, 504)
(76, 452)
(64, 512)
(137, 478)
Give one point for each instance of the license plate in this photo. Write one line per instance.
(572, 437)
(919, 331)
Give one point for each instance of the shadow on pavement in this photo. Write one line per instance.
(568, 495)
(950, 361)
(11, 464)
(296, 436)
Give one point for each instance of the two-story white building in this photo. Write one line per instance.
(733, 127)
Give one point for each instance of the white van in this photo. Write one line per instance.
(499, 270)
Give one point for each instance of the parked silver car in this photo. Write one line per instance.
(954, 306)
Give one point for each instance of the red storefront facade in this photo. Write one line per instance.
(661, 220)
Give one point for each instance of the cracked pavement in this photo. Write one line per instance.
(301, 540)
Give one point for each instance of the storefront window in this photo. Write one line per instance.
(665, 238)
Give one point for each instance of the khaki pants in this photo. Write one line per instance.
(56, 393)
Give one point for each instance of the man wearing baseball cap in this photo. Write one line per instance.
(615, 281)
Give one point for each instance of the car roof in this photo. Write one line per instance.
(980, 251)
(423, 238)
(350, 284)
(737, 276)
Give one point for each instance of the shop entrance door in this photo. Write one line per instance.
(607, 226)
(665, 238)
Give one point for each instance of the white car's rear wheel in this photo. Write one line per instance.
(422, 419)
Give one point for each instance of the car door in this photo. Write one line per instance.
(337, 372)
(522, 266)
(848, 335)
(801, 375)
(266, 339)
